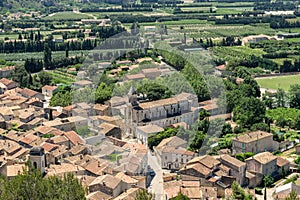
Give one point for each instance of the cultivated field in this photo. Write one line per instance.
(283, 82)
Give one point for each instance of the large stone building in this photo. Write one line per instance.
(254, 142)
(165, 112)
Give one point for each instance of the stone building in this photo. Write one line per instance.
(165, 112)
(254, 142)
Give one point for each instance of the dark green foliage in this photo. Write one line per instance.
(238, 193)
(249, 111)
(180, 196)
(154, 140)
(47, 57)
(154, 91)
(144, 195)
(243, 156)
(103, 93)
(292, 179)
(284, 117)
(31, 185)
(63, 97)
(294, 94)
(33, 66)
(260, 127)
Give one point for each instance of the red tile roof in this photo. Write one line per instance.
(74, 137)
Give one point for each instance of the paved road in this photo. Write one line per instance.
(156, 186)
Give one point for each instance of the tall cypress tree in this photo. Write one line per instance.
(47, 57)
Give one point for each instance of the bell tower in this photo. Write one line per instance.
(37, 158)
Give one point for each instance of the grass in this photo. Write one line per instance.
(67, 16)
(283, 82)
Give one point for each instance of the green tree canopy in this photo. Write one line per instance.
(249, 111)
(31, 185)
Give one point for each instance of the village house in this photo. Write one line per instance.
(6, 113)
(237, 168)
(67, 124)
(256, 142)
(143, 132)
(172, 153)
(6, 71)
(28, 93)
(266, 163)
(107, 184)
(48, 90)
(9, 83)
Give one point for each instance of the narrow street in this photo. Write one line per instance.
(156, 186)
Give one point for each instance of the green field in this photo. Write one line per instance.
(67, 16)
(283, 82)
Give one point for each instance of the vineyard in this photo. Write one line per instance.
(229, 53)
(60, 77)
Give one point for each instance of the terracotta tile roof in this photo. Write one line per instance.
(64, 168)
(75, 150)
(74, 137)
(232, 161)
(263, 158)
(171, 141)
(28, 139)
(28, 92)
(6, 81)
(100, 107)
(95, 166)
(206, 160)
(49, 88)
(43, 129)
(252, 136)
(281, 161)
(58, 139)
(98, 196)
(150, 129)
(135, 76)
(70, 107)
(161, 102)
(109, 180)
(221, 67)
(49, 146)
(126, 178)
(199, 168)
(192, 193)
(106, 128)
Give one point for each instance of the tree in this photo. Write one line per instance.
(268, 181)
(45, 78)
(154, 91)
(249, 111)
(47, 56)
(144, 195)
(103, 93)
(238, 193)
(21, 76)
(31, 185)
(294, 95)
(180, 196)
(280, 98)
